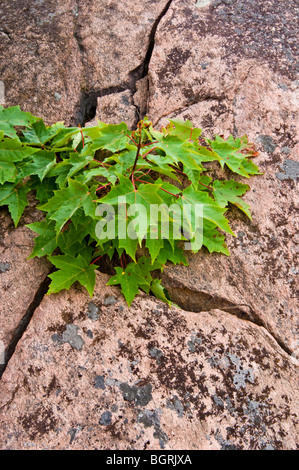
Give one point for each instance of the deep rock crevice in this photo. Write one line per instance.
(21, 328)
(87, 103)
(199, 301)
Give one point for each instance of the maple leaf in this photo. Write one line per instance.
(230, 191)
(12, 150)
(72, 170)
(8, 172)
(65, 202)
(14, 196)
(70, 270)
(40, 165)
(134, 277)
(39, 134)
(13, 116)
(159, 291)
(46, 242)
(183, 129)
(110, 137)
(213, 239)
(211, 211)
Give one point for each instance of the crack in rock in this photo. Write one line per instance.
(21, 328)
(136, 82)
(199, 301)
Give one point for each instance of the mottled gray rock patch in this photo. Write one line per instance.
(267, 142)
(140, 396)
(105, 419)
(4, 267)
(70, 336)
(290, 170)
(111, 300)
(93, 311)
(175, 404)
(99, 382)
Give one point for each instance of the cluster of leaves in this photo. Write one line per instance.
(70, 171)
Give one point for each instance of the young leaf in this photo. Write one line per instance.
(46, 242)
(213, 239)
(11, 150)
(39, 134)
(229, 156)
(210, 209)
(136, 276)
(159, 291)
(64, 204)
(14, 196)
(13, 116)
(112, 137)
(183, 129)
(72, 269)
(42, 162)
(8, 172)
(229, 191)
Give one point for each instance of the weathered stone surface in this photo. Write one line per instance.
(116, 108)
(20, 278)
(40, 59)
(206, 75)
(198, 49)
(57, 57)
(114, 38)
(148, 377)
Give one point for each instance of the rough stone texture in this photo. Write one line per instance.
(114, 38)
(197, 50)
(116, 108)
(20, 278)
(67, 53)
(40, 58)
(148, 377)
(209, 77)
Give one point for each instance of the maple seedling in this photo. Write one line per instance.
(162, 175)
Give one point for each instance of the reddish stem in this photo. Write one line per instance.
(96, 259)
(150, 143)
(208, 187)
(82, 136)
(137, 156)
(101, 187)
(142, 181)
(148, 152)
(65, 225)
(132, 140)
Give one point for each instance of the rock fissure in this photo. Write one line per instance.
(199, 301)
(88, 100)
(21, 328)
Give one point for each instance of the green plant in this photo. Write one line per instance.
(73, 171)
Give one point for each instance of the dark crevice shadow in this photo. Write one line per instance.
(21, 328)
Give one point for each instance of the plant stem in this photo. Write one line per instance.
(96, 259)
(101, 187)
(137, 155)
(208, 187)
(82, 136)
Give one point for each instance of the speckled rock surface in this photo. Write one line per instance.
(20, 279)
(148, 377)
(198, 49)
(57, 57)
(40, 59)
